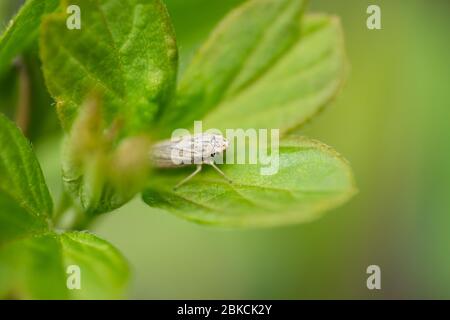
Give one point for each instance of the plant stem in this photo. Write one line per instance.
(22, 116)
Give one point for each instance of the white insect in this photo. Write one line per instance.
(186, 150)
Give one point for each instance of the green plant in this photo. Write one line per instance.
(266, 66)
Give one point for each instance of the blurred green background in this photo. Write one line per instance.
(392, 122)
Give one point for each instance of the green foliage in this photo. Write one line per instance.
(295, 88)
(23, 30)
(20, 40)
(33, 260)
(237, 53)
(25, 203)
(135, 42)
(125, 50)
(36, 267)
(311, 179)
(114, 84)
(242, 80)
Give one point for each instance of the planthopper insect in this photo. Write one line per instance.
(186, 150)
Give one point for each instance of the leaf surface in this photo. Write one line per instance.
(264, 66)
(125, 49)
(312, 178)
(37, 267)
(25, 202)
(23, 30)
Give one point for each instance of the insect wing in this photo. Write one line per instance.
(174, 153)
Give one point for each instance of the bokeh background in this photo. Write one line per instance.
(392, 122)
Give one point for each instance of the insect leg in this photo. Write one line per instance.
(199, 168)
(220, 172)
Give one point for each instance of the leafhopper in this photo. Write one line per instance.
(198, 149)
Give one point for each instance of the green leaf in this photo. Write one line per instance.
(36, 267)
(278, 73)
(25, 202)
(125, 49)
(23, 30)
(125, 54)
(312, 178)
